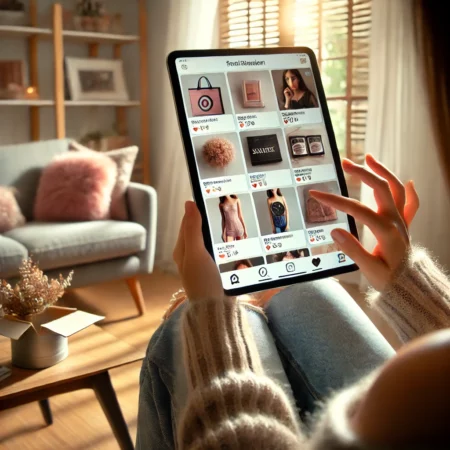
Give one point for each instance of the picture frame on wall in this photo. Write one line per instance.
(95, 79)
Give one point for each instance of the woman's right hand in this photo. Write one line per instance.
(397, 206)
(287, 97)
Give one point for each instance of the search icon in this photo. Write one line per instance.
(234, 279)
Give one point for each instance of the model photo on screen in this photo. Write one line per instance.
(295, 89)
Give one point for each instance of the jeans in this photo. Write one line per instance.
(317, 340)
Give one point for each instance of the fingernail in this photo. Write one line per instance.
(338, 236)
(187, 207)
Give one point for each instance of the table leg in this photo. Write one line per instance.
(104, 390)
(46, 411)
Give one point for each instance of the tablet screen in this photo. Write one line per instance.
(260, 145)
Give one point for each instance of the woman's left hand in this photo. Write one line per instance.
(198, 271)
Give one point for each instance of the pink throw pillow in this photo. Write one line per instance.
(10, 214)
(75, 187)
(124, 159)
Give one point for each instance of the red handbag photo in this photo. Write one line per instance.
(205, 101)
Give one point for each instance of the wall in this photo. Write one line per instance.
(14, 120)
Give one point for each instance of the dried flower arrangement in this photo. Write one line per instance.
(34, 293)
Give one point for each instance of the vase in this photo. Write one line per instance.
(38, 351)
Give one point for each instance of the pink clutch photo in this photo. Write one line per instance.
(205, 101)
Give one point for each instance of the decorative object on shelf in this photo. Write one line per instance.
(12, 13)
(95, 79)
(218, 152)
(91, 16)
(37, 329)
(31, 93)
(12, 79)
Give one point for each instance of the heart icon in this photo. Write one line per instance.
(298, 179)
(311, 239)
(254, 185)
(286, 121)
(316, 261)
(241, 124)
(208, 191)
(268, 247)
(221, 256)
(195, 128)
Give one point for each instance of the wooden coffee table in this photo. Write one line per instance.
(92, 352)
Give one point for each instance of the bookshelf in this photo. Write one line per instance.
(93, 40)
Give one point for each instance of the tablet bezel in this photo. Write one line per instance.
(191, 162)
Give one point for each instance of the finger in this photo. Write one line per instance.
(380, 186)
(193, 237)
(178, 251)
(396, 186)
(385, 230)
(368, 263)
(352, 207)
(412, 203)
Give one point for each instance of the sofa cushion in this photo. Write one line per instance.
(21, 166)
(12, 254)
(55, 245)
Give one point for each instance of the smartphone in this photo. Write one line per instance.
(260, 223)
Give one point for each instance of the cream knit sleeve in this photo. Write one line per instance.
(418, 299)
(231, 404)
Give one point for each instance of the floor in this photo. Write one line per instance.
(79, 422)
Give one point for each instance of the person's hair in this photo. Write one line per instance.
(224, 197)
(434, 45)
(270, 193)
(301, 82)
(243, 262)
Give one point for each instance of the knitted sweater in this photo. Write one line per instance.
(233, 405)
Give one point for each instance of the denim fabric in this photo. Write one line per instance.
(324, 342)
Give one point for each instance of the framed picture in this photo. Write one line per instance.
(251, 92)
(95, 79)
(12, 78)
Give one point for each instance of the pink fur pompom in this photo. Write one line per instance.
(76, 187)
(10, 214)
(218, 152)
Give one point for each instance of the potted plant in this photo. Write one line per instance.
(12, 12)
(91, 16)
(39, 330)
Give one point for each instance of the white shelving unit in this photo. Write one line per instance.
(27, 102)
(124, 104)
(93, 40)
(13, 31)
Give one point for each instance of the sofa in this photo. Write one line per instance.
(97, 251)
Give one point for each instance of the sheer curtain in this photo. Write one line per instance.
(173, 25)
(399, 130)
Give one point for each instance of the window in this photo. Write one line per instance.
(337, 30)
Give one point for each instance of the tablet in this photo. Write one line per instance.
(258, 137)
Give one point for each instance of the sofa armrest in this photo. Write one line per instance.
(143, 207)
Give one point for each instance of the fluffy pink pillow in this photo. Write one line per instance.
(124, 159)
(10, 214)
(76, 187)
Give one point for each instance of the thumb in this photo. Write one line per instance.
(353, 248)
(193, 237)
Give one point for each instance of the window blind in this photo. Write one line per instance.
(249, 23)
